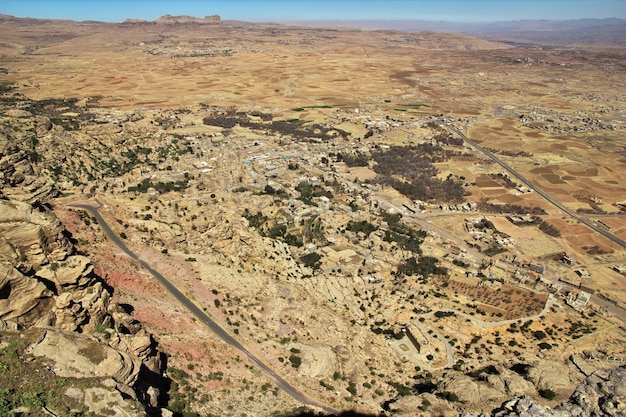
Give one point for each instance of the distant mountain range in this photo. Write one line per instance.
(582, 31)
(521, 33)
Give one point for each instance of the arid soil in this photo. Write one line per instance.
(265, 171)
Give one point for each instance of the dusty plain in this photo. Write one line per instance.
(254, 166)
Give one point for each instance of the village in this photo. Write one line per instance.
(334, 221)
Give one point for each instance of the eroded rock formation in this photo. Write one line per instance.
(45, 284)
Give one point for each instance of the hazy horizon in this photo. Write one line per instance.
(457, 11)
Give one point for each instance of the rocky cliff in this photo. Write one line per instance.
(46, 286)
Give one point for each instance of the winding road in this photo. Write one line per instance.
(205, 319)
(547, 197)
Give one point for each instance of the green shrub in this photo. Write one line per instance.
(544, 345)
(295, 360)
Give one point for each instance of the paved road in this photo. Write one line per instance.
(607, 305)
(204, 318)
(560, 206)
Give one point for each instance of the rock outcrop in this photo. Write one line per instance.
(23, 300)
(179, 20)
(30, 236)
(470, 391)
(83, 356)
(553, 375)
(45, 284)
(601, 394)
(17, 176)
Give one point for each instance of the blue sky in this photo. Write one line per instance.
(289, 10)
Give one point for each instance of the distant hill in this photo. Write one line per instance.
(177, 20)
(582, 31)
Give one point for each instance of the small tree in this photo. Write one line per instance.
(295, 360)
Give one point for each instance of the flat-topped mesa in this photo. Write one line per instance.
(178, 20)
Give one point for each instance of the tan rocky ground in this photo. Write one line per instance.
(226, 155)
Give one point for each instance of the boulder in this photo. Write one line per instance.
(554, 375)
(74, 272)
(82, 356)
(510, 383)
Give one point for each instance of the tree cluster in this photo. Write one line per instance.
(410, 170)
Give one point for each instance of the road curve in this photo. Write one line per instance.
(204, 318)
(591, 225)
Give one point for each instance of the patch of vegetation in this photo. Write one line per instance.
(296, 412)
(160, 187)
(494, 249)
(328, 387)
(411, 171)
(425, 266)
(415, 105)
(362, 226)
(26, 382)
(427, 386)
(295, 127)
(255, 220)
(312, 260)
(405, 237)
(549, 229)
(353, 160)
(488, 370)
(485, 206)
(308, 191)
(299, 109)
(6, 86)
